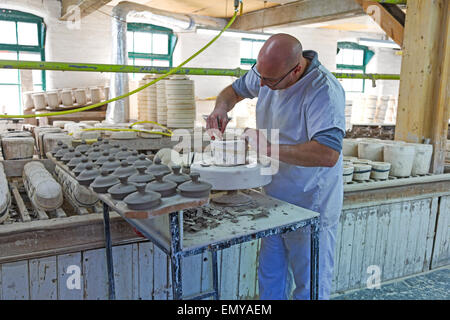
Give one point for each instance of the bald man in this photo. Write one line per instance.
(305, 102)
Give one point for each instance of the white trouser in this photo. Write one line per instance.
(285, 256)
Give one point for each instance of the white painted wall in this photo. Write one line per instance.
(224, 53)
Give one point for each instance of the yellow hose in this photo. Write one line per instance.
(96, 105)
(123, 129)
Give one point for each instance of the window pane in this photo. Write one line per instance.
(358, 57)
(347, 56)
(8, 76)
(29, 56)
(27, 33)
(143, 42)
(256, 47)
(8, 32)
(246, 49)
(160, 63)
(10, 99)
(160, 43)
(130, 41)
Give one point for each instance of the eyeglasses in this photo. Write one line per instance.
(272, 82)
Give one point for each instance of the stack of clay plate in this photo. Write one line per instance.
(147, 101)
(161, 102)
(180, 102)
(382, 107)
(370, 108)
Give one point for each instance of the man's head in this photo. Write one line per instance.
(280, 61)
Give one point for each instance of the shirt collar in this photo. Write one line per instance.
(313, 57)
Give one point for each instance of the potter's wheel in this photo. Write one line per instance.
(232, 179)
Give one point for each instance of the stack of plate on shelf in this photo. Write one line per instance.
(161, 102)
(147, 100)
(180, 102)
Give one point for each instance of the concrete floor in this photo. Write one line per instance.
(434, 285)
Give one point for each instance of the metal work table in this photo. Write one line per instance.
(163, 226)
(283, 217)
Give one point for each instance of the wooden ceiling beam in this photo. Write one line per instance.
(388, 16)
(298, 13)
(69, 8)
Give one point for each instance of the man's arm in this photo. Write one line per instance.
(225, 102)
(322, 151)
(309, 154)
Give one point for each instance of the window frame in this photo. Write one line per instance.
(250, 61)
(20, 16)
(153, 29)
(367, 56)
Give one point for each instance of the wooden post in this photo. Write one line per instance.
(423, 105)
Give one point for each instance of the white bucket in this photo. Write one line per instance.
(380, 170)
(370, 150)
(347, 173)
(401, 158)
(350, 159)
(422, 159)
(350, 148)
(361, 171)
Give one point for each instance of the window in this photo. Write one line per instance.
(352, 58)
(150, 45)
(22, 38)
(249, 51)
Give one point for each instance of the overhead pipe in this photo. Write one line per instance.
(118, 110)
(391, 1)
(124, 69)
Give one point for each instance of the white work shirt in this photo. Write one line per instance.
(313, 104)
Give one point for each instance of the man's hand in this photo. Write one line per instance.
(216, 123)
(257, 141)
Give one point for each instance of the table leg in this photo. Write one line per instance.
(215, 273)
(175, 256)
(109, 257)
(314, 290)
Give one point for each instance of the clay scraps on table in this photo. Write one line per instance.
(208, 217)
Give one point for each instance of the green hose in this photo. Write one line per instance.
(96, 105)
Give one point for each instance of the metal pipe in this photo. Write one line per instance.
(91, 67)
(391, 1)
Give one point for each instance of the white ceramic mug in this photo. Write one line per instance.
(39, 101)
(53, 100)
(66, 97)
(80, 97)
(95, 95)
